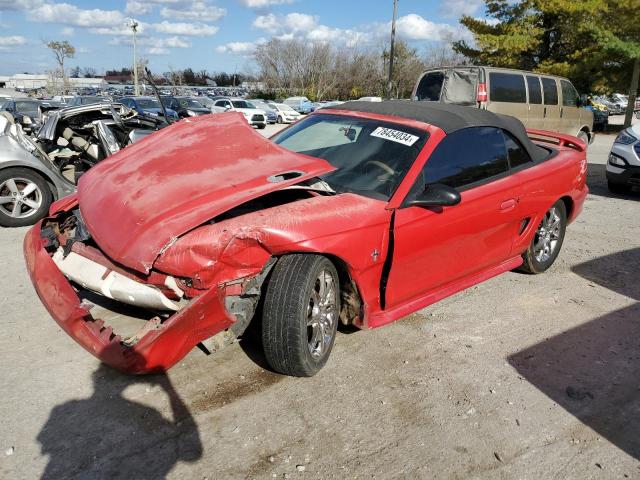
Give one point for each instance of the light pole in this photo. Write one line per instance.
(391, 48)
(134, 28)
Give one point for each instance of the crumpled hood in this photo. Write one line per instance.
(137, 202)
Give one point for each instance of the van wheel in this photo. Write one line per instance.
(584, 136)
(547, 241)
(25, 197)
(300, 314)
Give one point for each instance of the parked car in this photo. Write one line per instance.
(329, 104)
(25, 111)
(62, 99)
(286, 114)
(600, 115)
(185, 106)
(253, 116)
(623, 165)
(358, 214)
(299, 104)
(34, 171)
(370, 99)
(270, 112)
(148, 106)
(86, 100)
(537, 100)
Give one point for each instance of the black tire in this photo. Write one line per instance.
(279, 119)
(532, 263)
(619, 188)
(584, 136)
(262, 126)
(42, 194)
(288, 309)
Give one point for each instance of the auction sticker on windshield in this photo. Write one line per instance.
(394, 136)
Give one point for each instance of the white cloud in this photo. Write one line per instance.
(457, 8)
(190, 29)
(67, 31)
(19, 4)
(12, 41)
(240, 48)
(157, 51)
(197, 11)
(134, 7)
(264, 3)
(292, 22)
(170, 42)
(120, 30)
(414, 27)
(68, 14)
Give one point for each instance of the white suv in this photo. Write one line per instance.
(254, 116)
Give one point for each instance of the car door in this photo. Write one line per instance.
(433, 247)
(552, 121)
(569, 111)
(535, 116)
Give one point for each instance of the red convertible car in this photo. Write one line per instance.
(361, 214)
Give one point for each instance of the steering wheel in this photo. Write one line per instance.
(382, 166)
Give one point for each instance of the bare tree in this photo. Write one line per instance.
(61, 51)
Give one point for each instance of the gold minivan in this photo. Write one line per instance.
(540, 101)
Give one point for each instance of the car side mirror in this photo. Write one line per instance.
(583, 100)
(227, 108)
(436, 195)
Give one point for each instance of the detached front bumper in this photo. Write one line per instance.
(157, 347)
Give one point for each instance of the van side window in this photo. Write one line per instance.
(507, 87)
(467, 156)
(517, 154)
(569, 94)
(430, 87)
(535, 92)
(550, 91)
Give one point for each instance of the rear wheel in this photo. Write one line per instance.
(547, 241)
(280, 120)
(25, 197)
(300, 314)
(584, 136)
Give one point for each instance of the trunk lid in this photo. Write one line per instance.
(139, 201)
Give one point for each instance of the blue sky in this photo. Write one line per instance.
(214, 35)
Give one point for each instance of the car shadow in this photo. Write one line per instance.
(593, 370)
(110, 436)
(597, 182)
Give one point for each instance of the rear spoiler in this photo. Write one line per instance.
(560, 139)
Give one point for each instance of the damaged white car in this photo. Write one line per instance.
(35, 171)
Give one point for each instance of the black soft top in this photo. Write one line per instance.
(449, 118)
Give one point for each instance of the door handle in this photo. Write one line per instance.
(508, 204)
(561, 112)
(544, 115)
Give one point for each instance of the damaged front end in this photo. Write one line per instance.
(64, 263)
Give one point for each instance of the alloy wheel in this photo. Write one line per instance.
(19, 197)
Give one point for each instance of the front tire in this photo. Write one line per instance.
(584, 136)
(300, 314)
(547, 241)
(25, 197)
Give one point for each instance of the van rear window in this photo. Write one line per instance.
(550, 91)
(507, 87)
(430, 87)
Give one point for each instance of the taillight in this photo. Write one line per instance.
(482, 93)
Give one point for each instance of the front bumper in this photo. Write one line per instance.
(158, 346)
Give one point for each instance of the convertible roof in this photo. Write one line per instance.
(447, 117)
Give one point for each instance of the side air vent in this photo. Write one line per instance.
(524, 225)
(284, 177)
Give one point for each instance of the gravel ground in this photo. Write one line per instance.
(524, 377)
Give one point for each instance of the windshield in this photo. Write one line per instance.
(147, 103)
(262, 106)
(241, 104)
(189, 103)
(205, 101)
(371, 157)
(27, 107)
(286, 108)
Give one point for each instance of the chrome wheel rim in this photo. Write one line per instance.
(322, 314)
(19, 197)
(547, 236)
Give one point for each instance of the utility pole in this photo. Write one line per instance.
(134, 28)
(393, 41)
